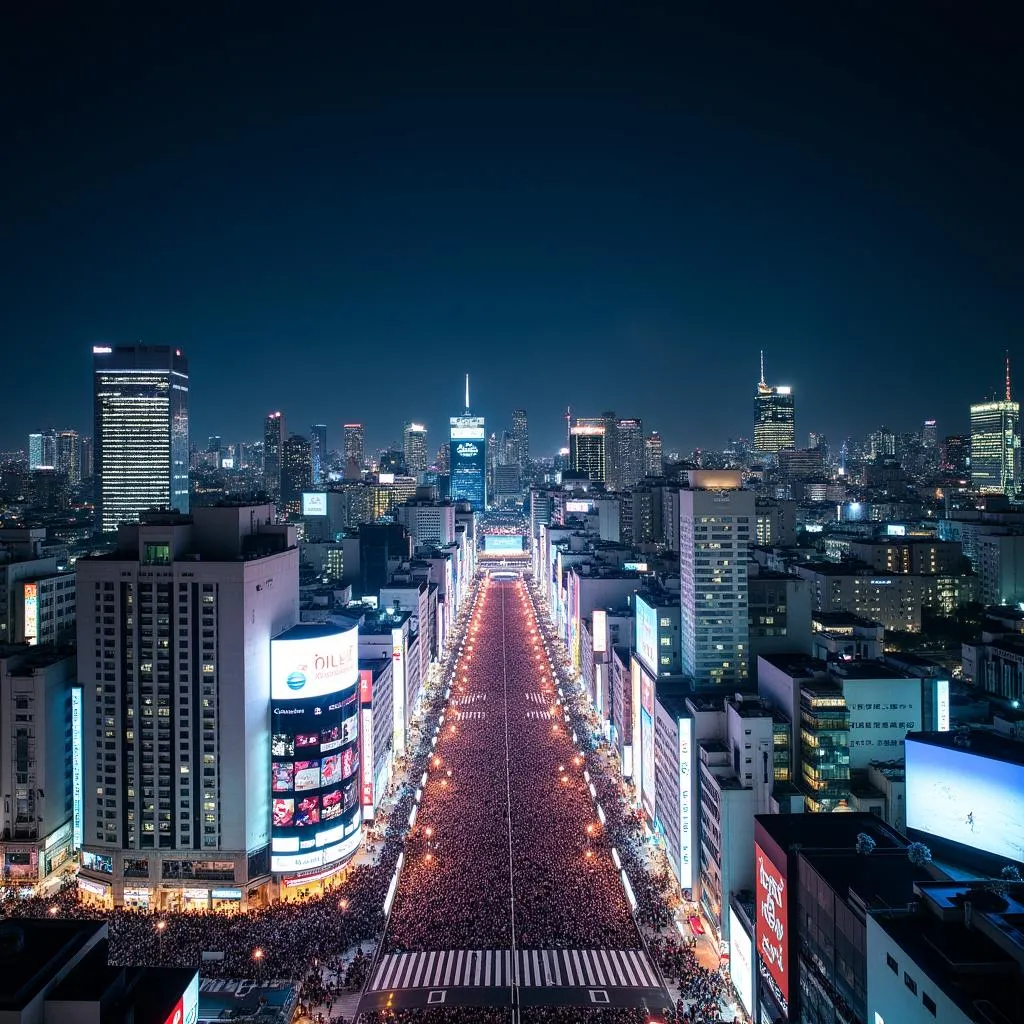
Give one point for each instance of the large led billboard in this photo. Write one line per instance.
(312, 661)
(686, 802)
(963, 797)
(647, 742)
(647, 634)
(741, 968)
(314, 747)
(600, 624)
(314, 504)
(31, 613)
(504, 544)
(771, 929)
(77, 768)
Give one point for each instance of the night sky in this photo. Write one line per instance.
(575, 203)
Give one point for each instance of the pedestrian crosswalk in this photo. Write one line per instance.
(538, 698)
(469, 714)
(538, 714)
(499, 968)
(469, 698)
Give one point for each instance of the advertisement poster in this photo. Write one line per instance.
(772, 909)
(305, 667)
(647, 634)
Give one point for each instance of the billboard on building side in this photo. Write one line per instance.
(771, 930)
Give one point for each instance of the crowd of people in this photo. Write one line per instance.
(507, 846)
(506, 812)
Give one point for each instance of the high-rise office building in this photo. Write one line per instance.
(956, 450)
(318, 448)
(716, 517)
(654, 464)
(177, 698)
(774, 417)
(355, 444)
(630, 434)
(414, 447)
(929, 434)
(140, 403)
(273, 449)
(69, 456)
(521, 439)
(42, 450)
(587, 450)
(467, 455)
(86, 458)
(995, 447)
(882, 443)
(611, 449)
(296, 474)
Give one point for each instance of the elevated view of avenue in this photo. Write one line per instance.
(509, 895)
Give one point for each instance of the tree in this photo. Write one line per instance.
(919, 855)
(865, 844)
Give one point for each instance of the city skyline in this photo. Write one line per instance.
(440, 236)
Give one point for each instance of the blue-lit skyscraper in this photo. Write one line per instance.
(140, 396)
(468, 458)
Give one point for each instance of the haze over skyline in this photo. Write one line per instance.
(610, 210)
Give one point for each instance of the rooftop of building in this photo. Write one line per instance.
(828, 832)
(748, 706)
(983, 742)
(848, 567)
(842, 620)
(795, 664)
(864, 668)
(965, 964)
(674, 705)
(31, 658)
(312, 631)
(33, 951)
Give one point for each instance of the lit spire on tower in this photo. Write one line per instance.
(467, 392)
(762, 369)
(1008, 398)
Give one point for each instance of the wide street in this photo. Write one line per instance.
(508, 895)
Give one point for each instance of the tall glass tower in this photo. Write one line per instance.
(468, 458)
(140, 411)
(774, 417)
(995, 444)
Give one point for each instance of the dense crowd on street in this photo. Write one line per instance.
(511, 756)
(464, 862)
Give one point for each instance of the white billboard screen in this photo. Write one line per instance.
(685, 803)
(741, 966)
(600, 631)
(313, 666)
(647, 634)
(966, 798)
(314, 504)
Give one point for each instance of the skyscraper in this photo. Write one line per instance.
(69, 456)
(630, 434)
(774, 417)
(182, 681)
(929, 434)
(140, 409)
(715, 520)
(611, 449)
(955, 453)
(521, 438)
(995, 444)
(355, 444)
(414, 447)
(467, 455)
(588, 451)
(653, 462)
(296, 474)
(273, 440)
(318, 448)
(42, 450)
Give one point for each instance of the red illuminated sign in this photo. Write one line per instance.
(365, 686)
(647, 694)
(772, 920)
(177, 1014)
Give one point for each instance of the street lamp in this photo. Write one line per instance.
(161, 927)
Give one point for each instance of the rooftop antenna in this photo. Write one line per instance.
(1008, 375)
(762, 369)
(467, 392)
(568, 426)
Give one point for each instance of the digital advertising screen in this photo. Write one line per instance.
(741, 966)
(314, 778)
(647, 742)
(31, 613)
(647, 634)
(686, 803)
(314, 504)
(579, 506)
(503, 544)
(313, 661)
(600, 623)
(966, 798)
(771, 926)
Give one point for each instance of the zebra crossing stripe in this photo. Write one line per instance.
(498, 968)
